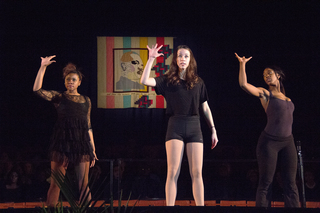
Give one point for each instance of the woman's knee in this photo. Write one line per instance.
(196, 174)
(173, 173)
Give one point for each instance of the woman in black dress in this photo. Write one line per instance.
(72, 138)
(185, 93)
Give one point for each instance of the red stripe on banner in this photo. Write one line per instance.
(160, 101)
(160, 41)
(109, 59)
(110, 102)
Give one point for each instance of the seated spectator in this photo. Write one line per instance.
(312, 187)
(147, 184)
(12, 189)
(120, 183)
(40, 185)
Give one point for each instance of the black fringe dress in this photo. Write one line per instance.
(70, 140)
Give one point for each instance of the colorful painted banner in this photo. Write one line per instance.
(121, 62)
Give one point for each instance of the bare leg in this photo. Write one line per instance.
(174, 149)
(195, 159)
(54, 190)
(82, 171)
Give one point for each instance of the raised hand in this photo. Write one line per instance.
(243, 59)
(47, 60)
(153, 51)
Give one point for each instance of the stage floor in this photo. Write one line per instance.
(159, 203)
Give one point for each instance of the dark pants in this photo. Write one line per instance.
(269, 149)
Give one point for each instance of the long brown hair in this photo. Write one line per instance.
(191, 72)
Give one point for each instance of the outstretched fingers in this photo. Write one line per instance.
(242, 59)
(237, 55)
(153, 51)
(47, 60)
(158, 47)
(49, 57)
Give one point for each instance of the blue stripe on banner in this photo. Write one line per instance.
(126, 43)
(126, 101)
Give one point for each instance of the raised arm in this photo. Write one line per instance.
(145, 77)
(243, 78)
(39, 79)
(208, 115)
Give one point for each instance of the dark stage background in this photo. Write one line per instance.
(285, 33)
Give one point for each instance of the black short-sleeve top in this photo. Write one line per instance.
(180, 99)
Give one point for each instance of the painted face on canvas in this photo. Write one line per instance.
(132, 66)
(136, 67)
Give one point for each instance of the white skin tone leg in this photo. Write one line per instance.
(174, 149)
(195, 160)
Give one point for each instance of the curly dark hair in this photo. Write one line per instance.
(191, 73)
(72, 68)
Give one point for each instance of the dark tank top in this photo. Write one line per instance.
(280, 117)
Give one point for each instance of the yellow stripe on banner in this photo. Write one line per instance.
(152, 41)
(143, 54)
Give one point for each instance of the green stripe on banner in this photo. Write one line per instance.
(126, 43)
(126, 101)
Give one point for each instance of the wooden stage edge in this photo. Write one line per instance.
(158, 203)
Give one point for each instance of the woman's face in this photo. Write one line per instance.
(270, 77)
(183, 59)
(72, 82)
(14, 177)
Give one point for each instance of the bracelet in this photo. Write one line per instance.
(212, 127)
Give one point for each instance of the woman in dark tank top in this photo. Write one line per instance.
(276, 142)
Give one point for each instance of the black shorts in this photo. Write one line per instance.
(184, 128)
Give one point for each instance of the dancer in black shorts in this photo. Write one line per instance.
(185, 93)
(276, 141)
